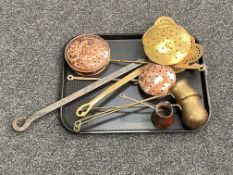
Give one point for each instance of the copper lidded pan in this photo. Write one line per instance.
(87, 54)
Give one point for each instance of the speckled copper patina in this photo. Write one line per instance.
(157, 79)
(87, 54)
(163, 117)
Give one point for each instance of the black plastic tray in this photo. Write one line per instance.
(133, 120)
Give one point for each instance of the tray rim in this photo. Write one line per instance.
(117, 36)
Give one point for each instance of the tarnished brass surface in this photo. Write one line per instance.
(166, 45)
(158, 118)
(194, 114)
(136, 100)
(83, 110)
(177, 68)
(194, 66)
(182, 90)
(71, 78)
(163, 21)
(80, 122)
(195, 53)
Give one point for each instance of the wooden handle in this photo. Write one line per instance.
(83, 110)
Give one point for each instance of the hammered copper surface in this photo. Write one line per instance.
(163, 117)
(87, 54)
(157, 79)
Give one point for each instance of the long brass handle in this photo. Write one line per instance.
(83, 110)
(71, 78)
(130, 61)
(79, 122)
(195, 66)
(135, 100)
(148, 104)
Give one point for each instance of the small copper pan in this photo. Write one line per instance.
(87, 54)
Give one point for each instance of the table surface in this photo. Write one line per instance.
(32, 38)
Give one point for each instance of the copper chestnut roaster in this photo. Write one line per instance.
(169, 50)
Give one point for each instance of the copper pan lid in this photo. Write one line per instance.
(87, 54)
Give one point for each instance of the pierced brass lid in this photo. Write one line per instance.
(164, 20)
(195, 53)
(166, 44)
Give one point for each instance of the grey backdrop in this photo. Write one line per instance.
(32, 36)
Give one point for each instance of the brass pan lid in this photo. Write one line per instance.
(164, 20)
(166, 45)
